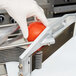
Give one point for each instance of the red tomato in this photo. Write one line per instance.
(35, 28)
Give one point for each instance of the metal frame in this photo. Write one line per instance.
(45, 38)
(62, 9)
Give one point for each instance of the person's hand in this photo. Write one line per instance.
(22, 9)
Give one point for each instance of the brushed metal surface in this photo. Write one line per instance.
(10, 55)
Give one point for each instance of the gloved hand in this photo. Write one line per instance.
(22, 9)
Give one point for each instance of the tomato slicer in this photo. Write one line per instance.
(47, 37)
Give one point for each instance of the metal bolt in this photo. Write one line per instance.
(21, 75)
(20, 66)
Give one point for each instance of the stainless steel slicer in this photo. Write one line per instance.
(47, 37)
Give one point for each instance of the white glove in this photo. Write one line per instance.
(22, 9)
